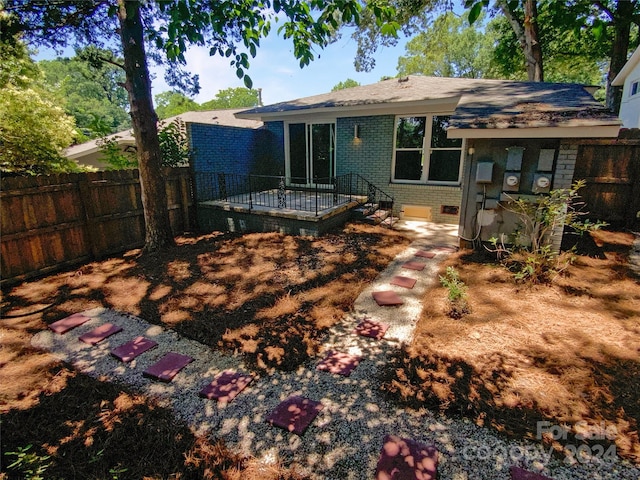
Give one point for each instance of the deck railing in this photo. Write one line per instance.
(289, 193)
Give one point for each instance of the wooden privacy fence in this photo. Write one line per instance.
(612, 172)
(55, 221)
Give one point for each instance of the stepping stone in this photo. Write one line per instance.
(167, 367)
(425, 254)
(387, 298)
(413, 265)
(226, 386)
(339, 363)
(518, 473)
(66, 324)
(403, 458)
(295, 414)
(99, 333)
(133, 349)
(371, 329)
(405, 282)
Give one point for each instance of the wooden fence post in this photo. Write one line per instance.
(184, 195)
(89, 215)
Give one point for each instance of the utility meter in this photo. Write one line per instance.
(511, 182)
(541, 183)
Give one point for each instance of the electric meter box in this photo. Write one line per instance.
(511, 182)
(541, 183)
(484, 173)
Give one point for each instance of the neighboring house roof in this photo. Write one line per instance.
(626, 70)
(226, 118)
(481, 108)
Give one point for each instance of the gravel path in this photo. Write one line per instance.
(345, 439)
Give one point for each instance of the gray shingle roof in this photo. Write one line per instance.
(480, 103)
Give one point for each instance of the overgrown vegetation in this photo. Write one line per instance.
(530, 252)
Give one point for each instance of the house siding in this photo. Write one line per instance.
(237, 150)
(630, 105)
(371, 156)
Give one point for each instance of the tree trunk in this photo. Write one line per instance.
(527, 35)
(622, 19)
(144, 120)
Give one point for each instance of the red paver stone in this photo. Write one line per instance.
(518, 473)
(100, 333)
(387, 298)
(339, 363)
(295, 414)
(405, 282)
(66, 324)
(425, 254)
(133, 349)
(226, 386)
(405, 459)
(412, 265)
(168, 366)
(371, 329)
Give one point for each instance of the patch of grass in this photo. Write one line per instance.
(567, 352)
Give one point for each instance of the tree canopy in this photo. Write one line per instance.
(172, 103)
(33, 129)
(450, 47)
(348, 83)
(233, 98)
(90, 91)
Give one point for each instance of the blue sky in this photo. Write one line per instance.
(278, 73)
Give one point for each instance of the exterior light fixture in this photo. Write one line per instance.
(471, 150)
(356, 131)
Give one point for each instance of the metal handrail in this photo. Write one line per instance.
(285, 192)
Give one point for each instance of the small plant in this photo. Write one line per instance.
(457, 293)
(530, 253)
(29, 464)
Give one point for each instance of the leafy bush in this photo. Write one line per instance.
(30, 465)
(174, 148)
(530, 252)
(457, 293)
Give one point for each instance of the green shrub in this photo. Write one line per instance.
(457, 293)
(529, 251)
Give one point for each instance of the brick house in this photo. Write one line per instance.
(445, 148)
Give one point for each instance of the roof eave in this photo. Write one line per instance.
(583, 131)
(626, 69)
(414, 106)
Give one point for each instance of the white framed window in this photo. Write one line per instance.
(422, 152)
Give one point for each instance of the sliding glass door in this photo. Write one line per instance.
(312, 153)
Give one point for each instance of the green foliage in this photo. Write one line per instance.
(174, 148)
(348, 83)
(233, 98)
(18, 70)
(529, 252)
(172, 103)
(112, 154)
(457, 293)
(174, 144)
(29, 465)
(89, 88)
(449, 47)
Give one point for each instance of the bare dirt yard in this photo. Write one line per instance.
(567, 353)
(269, 297)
